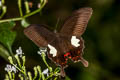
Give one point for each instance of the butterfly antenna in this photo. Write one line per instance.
(56, 26)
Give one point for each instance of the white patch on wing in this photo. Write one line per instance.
(53, 51)
(75, 41)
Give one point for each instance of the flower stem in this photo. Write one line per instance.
(3, 1)
(11, 19)
(20, 8)
(10, 75)
(25, 16)
(3, 11)
(27, 7)
(43, 57)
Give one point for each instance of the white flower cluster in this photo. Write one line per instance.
(19, 52)
(10, 68)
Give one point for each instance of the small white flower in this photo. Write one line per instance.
(45, 72)
(39, 5)
(39, 52)
(53, 51)
(44, 50)
(75, 41)
(10, 68)
(0, 3)
(19, 52)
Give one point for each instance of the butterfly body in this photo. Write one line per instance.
(67, 43)
(63, 47)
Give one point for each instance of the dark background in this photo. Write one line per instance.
(102, 37)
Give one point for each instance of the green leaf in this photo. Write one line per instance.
(4, 53)
(7, 36)
(7, 25)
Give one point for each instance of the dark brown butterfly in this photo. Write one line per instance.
(67, 43)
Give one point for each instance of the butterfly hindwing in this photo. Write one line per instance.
(76, 53)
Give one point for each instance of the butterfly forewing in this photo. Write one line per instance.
(39, 35)
(76, 24)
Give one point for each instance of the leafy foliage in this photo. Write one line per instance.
(7, 36)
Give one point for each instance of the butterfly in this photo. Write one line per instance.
(66, 43)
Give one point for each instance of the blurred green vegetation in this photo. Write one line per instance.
(101, 37)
